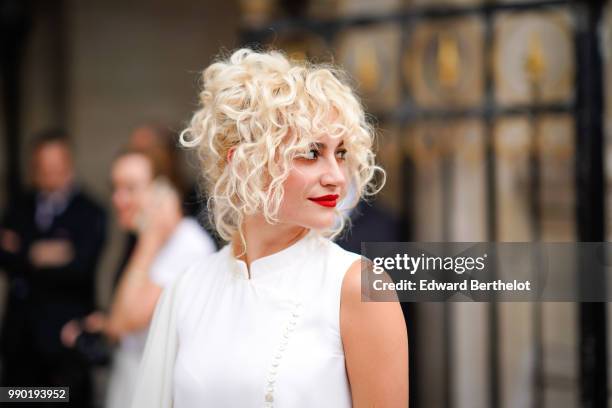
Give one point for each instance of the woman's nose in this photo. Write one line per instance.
(333, 174)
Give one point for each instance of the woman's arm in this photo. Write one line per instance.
(133, 303)
(136, 295)
(375, 344)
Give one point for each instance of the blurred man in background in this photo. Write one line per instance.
(50, 243)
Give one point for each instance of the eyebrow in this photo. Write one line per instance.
(321, 146)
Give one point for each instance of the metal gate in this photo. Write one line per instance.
(491, 115)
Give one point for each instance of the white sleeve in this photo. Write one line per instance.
(154, 385)
(186, 246)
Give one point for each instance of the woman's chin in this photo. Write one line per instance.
(323, 223)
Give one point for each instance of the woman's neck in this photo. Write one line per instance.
(263, 239)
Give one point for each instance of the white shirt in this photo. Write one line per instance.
(220, 339)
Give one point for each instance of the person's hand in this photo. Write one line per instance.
(95, 322)
(70, 332)
(9, 241)
(161, 212)
(88, 338)
(51, 253)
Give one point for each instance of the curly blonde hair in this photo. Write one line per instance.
(269, 110)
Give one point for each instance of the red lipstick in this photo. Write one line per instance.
(326, 200)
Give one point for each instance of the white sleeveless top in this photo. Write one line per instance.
(220, 339)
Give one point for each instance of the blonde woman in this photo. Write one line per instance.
(275, 318)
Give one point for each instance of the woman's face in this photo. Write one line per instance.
(316, 183)
(131, 177)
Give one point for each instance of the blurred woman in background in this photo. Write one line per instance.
(146, 201)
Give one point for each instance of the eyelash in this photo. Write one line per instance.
(316, 154)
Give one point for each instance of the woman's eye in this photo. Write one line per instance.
(312, 154)
(341, 154)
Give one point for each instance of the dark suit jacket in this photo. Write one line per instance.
(41, 300)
